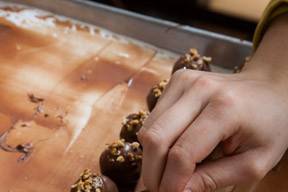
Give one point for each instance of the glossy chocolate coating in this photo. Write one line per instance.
(121, 162)
(192, 60)
(131, 125)
(155, 94)
(90, 182)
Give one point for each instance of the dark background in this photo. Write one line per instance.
(188, 12)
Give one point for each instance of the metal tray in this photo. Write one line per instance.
(226, 51)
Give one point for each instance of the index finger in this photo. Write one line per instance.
(195, 144)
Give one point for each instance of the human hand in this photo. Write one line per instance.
(245, 113)
(198, 111)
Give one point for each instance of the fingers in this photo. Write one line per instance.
(158, 136)
(244, 168)
(195, 144)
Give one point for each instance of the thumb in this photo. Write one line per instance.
(240, 169)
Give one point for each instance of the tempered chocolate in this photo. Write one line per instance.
(193, 60)
(131, 125)
(121, 162)
(155, 93)
(90, 182)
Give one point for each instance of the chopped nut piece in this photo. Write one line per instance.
(120, 159)
(135, 145)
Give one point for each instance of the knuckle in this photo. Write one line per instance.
(227, 98)
(205, 81)
(184, 75)
(177, 74)
(217, 111)
(151, 137)
(178, 155)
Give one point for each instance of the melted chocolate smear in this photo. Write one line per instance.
(25, 149)
(13, 8)
(12, 38)
(34, 99)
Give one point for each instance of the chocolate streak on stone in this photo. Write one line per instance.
(25, 149)
(77, 68)
(129, 81)
(13, 8)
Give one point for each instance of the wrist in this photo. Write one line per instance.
(270, 60)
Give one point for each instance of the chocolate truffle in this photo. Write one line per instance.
(193, 60)
(131, 125)
(121, 162)
(90, 182)
(155, 94)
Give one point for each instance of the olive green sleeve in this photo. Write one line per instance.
(274, 9)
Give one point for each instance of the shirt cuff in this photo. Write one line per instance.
(273, 10)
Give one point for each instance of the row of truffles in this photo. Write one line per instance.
(121, 161)
(192, 61)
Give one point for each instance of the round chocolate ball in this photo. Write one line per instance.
(155, 94)
(131, 125)
(192, 60)
(121, 162)
(90, 182)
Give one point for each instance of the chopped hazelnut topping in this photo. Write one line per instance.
(193, 52)
(114, 151)
(88, 182)
(207, 59)
(135, 145)
(194, 65)
(120, 159)
(134, 120)
(159, 88)
(138, 157)
(193, 60)
(120, 143)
